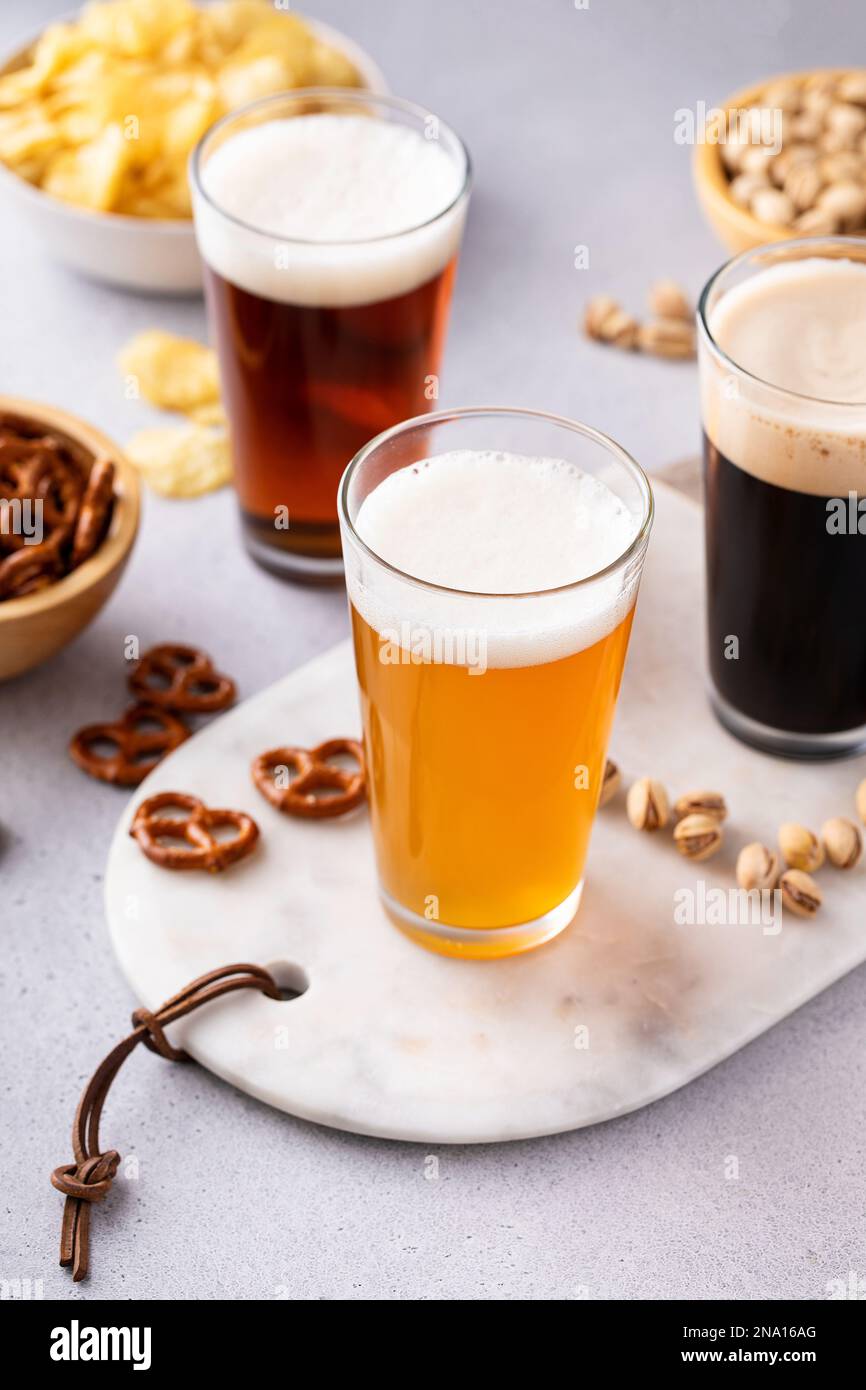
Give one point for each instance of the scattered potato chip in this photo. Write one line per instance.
(109, 106)
(182, 460)
(178, 374)
(175, 373)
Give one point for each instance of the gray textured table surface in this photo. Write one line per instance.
(569, 117)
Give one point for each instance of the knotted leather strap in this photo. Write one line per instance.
(89, 1178)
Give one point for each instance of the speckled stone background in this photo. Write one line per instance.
(569, 117)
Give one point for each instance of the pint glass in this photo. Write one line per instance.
(782, 341)
(492, 559)
(329, 224)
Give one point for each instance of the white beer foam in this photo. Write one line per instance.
(339, 204)
(799, 326)
(488, 523)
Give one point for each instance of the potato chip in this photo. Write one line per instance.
(331, 68)
(182, 460)
(153, 205)
(232, 20)
(176, 198)
(91, 175)
(77, 82)
(239, 83)
(184, 126)
(179, 374)
(58, 47)
(76, 127)
(135, 28)
(282, 34)
(16, 88)
(33, 170)
(26, 137)
(154, 74)
(175, 373)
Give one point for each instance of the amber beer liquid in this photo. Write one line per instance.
(306, 386)
(475, 804)
(329, 238)
(487, 701)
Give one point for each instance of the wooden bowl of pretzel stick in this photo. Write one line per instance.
(69, 504)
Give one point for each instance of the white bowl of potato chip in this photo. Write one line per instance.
(99, 114)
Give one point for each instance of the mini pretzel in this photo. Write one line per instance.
(194, 686)
(31, 473)
(130, 764)
(73, 495)
(94, 512)
(29, 569)
(24, 461)
(314, 772)
(56, 483)
(193, 846)
(20, 467)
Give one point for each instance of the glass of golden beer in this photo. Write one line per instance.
(492, 560)
(329, 224)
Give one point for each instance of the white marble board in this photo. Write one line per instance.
(390, 1040)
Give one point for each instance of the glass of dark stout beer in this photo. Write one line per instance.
(329, 224)
(782, 346)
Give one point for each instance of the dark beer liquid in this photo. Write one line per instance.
(793, 594)
(305, 388)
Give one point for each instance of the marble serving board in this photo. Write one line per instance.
(389, 1040)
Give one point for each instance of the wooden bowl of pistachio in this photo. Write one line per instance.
(786, 158)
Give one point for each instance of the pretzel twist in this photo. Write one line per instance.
(192, 683)
(193, 846)
(314, 772)
(130, 763)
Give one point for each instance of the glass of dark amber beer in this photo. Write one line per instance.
(783, 395)
(493, 558)
(329, 224)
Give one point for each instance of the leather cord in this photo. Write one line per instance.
(88, 1179)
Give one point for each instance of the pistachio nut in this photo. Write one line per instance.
(800, 848)
(647, 804)
(704, 803)
(668, 301)
(800, 893)
(842, 841)
(757, 867)
(698, 837)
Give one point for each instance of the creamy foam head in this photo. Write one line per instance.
(347, 209)
(799, 326)
(495, 524)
